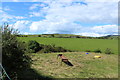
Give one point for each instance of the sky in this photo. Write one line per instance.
(80, 17)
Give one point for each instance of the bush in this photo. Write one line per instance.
(97, 51)
(59, 49)
(48, 49)
(39, 35)
(14, 58)
(52, 48)
(108, 51)
(33, 46)
(88, 51)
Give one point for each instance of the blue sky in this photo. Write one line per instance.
(64, 17)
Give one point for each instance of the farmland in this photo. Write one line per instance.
(84, 66)
(77, 44)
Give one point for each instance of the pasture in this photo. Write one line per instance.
(84, 66)
(77, 44)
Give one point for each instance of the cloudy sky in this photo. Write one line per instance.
(81, 17)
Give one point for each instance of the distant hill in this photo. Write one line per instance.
(112, 36)
(70, 36)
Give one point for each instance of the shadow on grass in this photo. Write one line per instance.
(68, 63)
(31, 74)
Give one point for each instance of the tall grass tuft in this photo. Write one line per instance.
(108, 51)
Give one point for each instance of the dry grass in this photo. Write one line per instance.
(85, 66)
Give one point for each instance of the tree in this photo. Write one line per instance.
(33, 46)
(13, 54)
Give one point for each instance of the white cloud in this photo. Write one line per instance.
(62, 26)
(6, 8)
(71, 28)
(102, 0)
(26, 33)
(10, 18)
(66, 16)
(19, 17)
(61, 17)
(98, 31)
(5, 17)
(105, 29)
(59, 0)
(93, 12)
(34, 6)
(34, 26)
(92, 34)
(21, 25)
(15, 0)
(78, 0)
(35, 14)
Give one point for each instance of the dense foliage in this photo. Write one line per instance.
(33, 46)
(53, 48)
(13, 55)
(97, 51)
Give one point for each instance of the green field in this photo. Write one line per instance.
(84, 66)
(77, 43)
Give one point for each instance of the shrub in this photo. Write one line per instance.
(88, 51)
(39, 35)
(48, 49)
(52, 48)
(108, 51)
(33, 46)
(97, 51)
(59, 49)
(14, 58)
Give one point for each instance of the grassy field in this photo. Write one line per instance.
(78, 44)
(84, 66)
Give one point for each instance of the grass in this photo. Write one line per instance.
(84, 65)
(78, 44)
